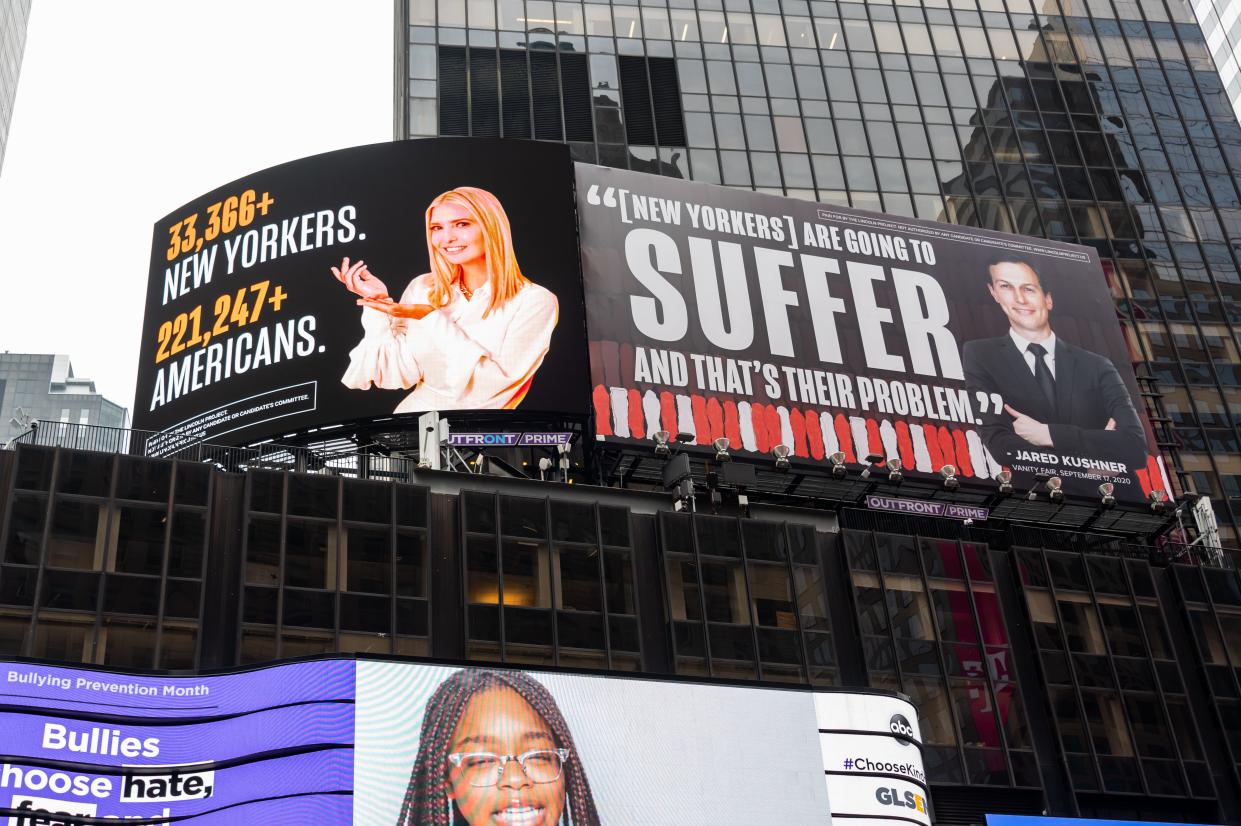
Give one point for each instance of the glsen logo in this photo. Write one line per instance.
(905, 800)
(900, 725)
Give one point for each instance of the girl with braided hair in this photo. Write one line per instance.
(495, 750)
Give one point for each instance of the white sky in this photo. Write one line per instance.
(127, 109)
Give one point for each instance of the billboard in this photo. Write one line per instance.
(338, 741)
(273, 745)
(540, 749)
(1035, 820)
(395, 278)
(772, 321)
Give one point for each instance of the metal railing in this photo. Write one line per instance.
(342, 458)
(327, 458)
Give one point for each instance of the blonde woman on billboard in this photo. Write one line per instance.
(468, 335)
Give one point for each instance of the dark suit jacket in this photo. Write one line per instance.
(1089, 391)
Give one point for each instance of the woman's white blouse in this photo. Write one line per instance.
(454, 358)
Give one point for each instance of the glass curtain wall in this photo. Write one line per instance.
(1092, 121)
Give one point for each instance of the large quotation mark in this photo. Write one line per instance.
(609, 196)
(989, 403)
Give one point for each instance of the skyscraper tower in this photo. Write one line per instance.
(13, 18)
(1091, 121)
(1221, 25)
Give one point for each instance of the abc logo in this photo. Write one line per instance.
(900, 725)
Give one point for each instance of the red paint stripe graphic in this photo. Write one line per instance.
(904, 445)
(945, 445)
(715, 419)
(603, 410)
(874, 444)
(713, 416)
(771, 418)
(702, 426)
(814, 434)
(637, 422)
(932, 446)
(668, 412)
(965, 467)
(1155, 475)
(798, 425)
(732, 423)
(844, 436)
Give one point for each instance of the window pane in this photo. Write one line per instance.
(724, 592)
(263, 552)
(618, 576)
(369, 560)
(481, 571)
(527, 576)
(78, 534)
(578, 585)
(140, 540)
(310, 554)
(771, 592)
(908, 607)
(25, 529)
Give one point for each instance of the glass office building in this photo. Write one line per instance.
(41, 388)
(13, 18)
(1221, 25)
(1091, 121)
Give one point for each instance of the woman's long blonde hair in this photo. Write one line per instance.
(505, 276)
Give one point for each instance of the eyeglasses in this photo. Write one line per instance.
(482, 768)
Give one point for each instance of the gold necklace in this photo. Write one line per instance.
(465, 291)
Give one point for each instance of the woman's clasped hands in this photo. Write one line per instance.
(373, 293)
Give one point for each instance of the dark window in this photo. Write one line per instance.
(545, 89)
(636, 97)
(484, 94)
(575, 87)
(651, 98)
(454, 81)
(515, 94)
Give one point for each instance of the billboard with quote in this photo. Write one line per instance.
(723, 313)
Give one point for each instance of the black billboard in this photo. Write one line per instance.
(387, 279)
(767, 321)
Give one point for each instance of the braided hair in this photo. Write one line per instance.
(427, 793)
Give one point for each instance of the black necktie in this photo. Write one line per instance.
(1042, 373)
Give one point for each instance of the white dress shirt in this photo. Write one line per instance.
(1049, 344)
(455, 358)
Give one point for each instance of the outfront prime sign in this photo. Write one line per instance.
(921, 507)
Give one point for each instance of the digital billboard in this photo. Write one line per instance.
(339, 741)
(396, 278)
(449, 745)
(772, 321)
(273, 745)
(1034, 820)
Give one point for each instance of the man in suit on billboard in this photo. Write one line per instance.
(1058, 398)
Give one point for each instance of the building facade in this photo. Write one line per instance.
(1060, 671)
(42, 388)
(1222, 28)
(13, 18)
(1091, 121)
